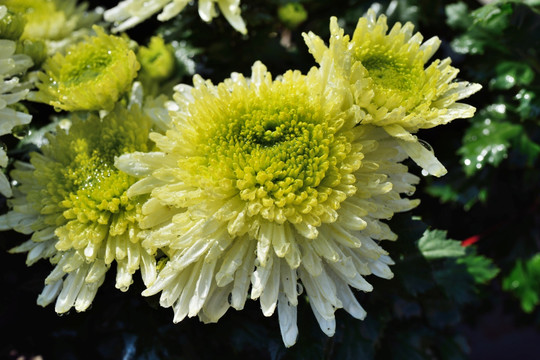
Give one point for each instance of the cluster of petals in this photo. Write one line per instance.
(73, 203)
(391, 80)
(129, 13)
(11, 92)
(288, 197)
(256, 188)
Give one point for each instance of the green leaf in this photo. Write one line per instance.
(527, 147)
(532, 2)
(524, 282)
(445, 192)
(510, 74)
(481, 268)
(469, 44)
(457, 16)
(434, 245)
(487, 140)
(452, 273)
(529, 104)
(493, 17)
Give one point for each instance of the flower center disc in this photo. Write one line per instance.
(279, 150)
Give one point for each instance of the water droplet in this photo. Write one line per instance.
(426, 145)
(64, 124)
(64, 313)
(500, 108)
(21, 131)
(424, 172)
(467, 162)
(299, 289)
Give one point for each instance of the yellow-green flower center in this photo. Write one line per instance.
(391, 70)
(96, 188)
(85, 64)
(280, 152)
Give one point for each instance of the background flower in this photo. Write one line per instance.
(92, 75)
(11, 91)
(129, 13)
(390, 81)
(73, 202)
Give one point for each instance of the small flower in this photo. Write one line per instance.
(157, 60)
(270, 183)
(129, 13)
(91, 76)
(11, 91)
(47, 19)
(11, 24)
(389, 80)
(73, 202)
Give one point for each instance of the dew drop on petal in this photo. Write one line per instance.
(21, 131)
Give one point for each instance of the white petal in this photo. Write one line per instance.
(423, 157)
(287, 321)
(269, 296)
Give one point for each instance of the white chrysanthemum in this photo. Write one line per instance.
(389, 79)
(72, 201)
(10, 93)
(129, 13)
(261, 185)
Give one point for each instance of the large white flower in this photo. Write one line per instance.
(260, 185)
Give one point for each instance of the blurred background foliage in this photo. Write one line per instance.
(467, 273)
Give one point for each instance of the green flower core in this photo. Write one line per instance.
(281, 151)
(86, 65)
(391, 71)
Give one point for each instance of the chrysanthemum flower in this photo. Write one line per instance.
(390, 80)
(73, 201)
(92, 75)
(269, 182)
(10, 94)
(47, 19)
(156, 59)
(129, 13)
